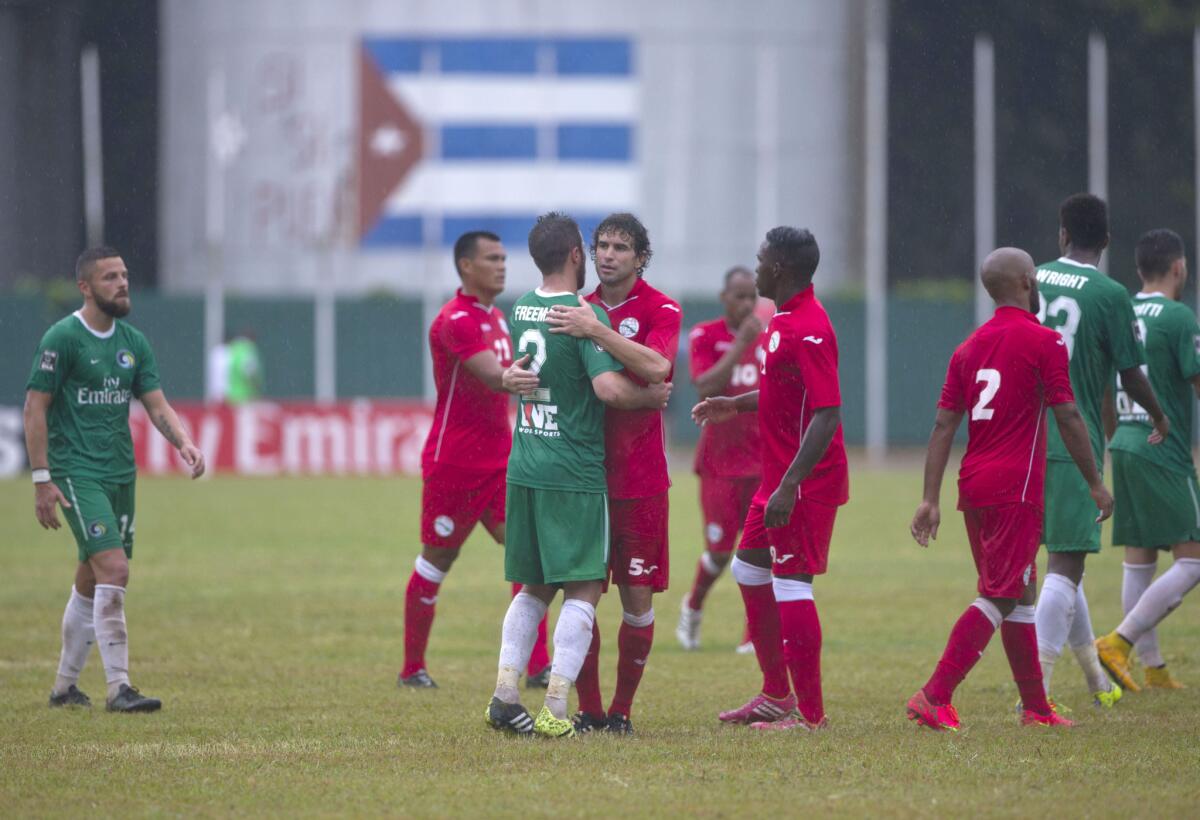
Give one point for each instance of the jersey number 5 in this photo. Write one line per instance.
(535, 339)
(991, 384)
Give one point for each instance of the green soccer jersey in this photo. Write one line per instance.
(91, 378)
(1171, 339)
(558, 443)
(1093, 315)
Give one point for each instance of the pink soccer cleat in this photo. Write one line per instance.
(760, 709)
(935, 716)
(1031, 718)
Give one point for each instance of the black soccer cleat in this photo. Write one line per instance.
(618, 725)
(585, 723)
(418, 680)
(508, 717)
(71, 697)
(539, 681)
(129, 699)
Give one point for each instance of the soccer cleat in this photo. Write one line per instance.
(547, 725)
(1057, 708)
(539, 681)
(935, 716)
(793, 722)
(746, 648)
(688, 630)
(508, 717)
(417, 680)
(1107, 700)
(1114, 657)
(618, 724)
(585, 723)
(71, 697)
(1031, 718)
(760, 708)
(129, 699)
(1157, 677)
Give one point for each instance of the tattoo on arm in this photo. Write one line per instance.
(163, 423)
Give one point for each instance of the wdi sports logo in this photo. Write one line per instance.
(539, 419)
(470, 133)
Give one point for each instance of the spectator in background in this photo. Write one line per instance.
(244, 374)
(216, 373)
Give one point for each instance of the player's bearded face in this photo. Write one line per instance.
(109, 286)
(116, 307)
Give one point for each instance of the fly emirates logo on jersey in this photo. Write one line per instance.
(110, 393)
(539, 419)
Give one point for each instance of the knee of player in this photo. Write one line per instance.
(720, 560)
(441, 559)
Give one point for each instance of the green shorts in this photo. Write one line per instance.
(555, 536)
(1070, 517)
(101, 514)
(1156, 507)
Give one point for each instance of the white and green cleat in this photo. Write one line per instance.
(547, 725)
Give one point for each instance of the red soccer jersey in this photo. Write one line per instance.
(729, 450)
(470, 423)
(1006, 374)
(799, 377)
(634, 440)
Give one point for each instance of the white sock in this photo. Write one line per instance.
(112, 638)
(78, 635)
(1083, 643)
(572, 637)
(1052, 616)
(517, 637)
(1160, 598)
(1136, 580)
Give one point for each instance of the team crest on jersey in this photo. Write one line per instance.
(443, 525)
(125, 359)
(628, 327)
(97, 529)
(714, 532)
(773, 344)
(50, 358)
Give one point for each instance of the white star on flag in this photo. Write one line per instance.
(387, 140)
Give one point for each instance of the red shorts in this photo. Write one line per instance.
(723, 503)
(1004, 543)
(454, 499)
(801, 547)
(638, 532)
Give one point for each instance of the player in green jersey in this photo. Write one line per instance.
(557, 506)
(1158, 501)
(1094, 317)
(87, 369)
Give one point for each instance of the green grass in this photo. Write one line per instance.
(267, 615)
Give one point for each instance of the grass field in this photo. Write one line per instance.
(267, 615)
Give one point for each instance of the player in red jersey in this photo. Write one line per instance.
(1006, 374)
(725, 355)
(644, 337)
(466, 453)
(785, 540)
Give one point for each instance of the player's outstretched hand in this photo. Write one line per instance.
(1161, 428)
(577, 321)
(714, 410)
(925, 523)
(46, 497)
(192, 456)
(778, 511)
(1104, 502)
(516, 379)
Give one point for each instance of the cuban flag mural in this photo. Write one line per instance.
(461, 133)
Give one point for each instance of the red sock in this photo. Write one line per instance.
(762, 622)
(419, 601)
(633, 648)
(801, 630)
(539, 659)
(1020, 644)
(587, 685)
(968, 639)
(702, 584)
(746, 637)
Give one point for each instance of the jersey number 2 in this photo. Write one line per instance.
(991, 380)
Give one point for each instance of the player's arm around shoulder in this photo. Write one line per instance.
(165, 420)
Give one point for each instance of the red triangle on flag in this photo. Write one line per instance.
(390, 142)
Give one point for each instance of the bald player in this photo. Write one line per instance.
(1005, 374)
